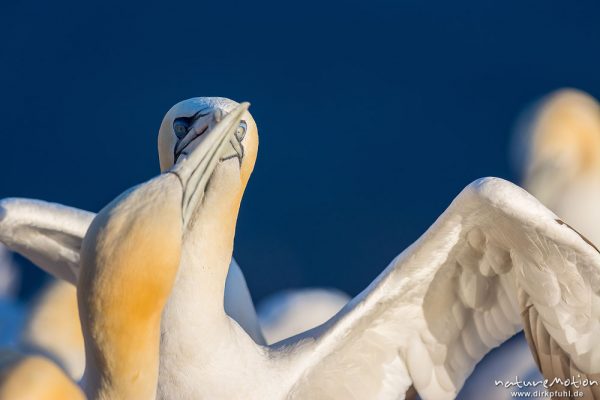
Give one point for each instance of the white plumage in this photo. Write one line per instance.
(426, 320)
(50, 235)
(561, 141)
(440, 306)
(558, 149)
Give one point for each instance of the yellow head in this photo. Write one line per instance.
(566, 133)
(185, 125)
(130, 258)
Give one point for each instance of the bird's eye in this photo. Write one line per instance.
(241, 131)
(181, 126)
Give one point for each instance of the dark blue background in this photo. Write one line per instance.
(373, 115)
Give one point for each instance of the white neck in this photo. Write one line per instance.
(196, 332)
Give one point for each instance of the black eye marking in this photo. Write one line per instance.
(181, 126)
(241, 131)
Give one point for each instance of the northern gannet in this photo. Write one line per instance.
(52, 328)
(558, 152)
(32, 377)
(130, 257)
(554, 146)
(31, 373)
(50, 235)
(494, 262)
(26, 375)
(561, 167)
(129, 260)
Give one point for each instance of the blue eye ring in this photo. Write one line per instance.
(181, 127)
(241, 131)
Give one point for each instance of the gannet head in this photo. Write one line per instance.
(129, 260)
(186, 124)
(189, 123)
(560, 142)
(565, 135)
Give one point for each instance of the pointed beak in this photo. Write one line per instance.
(196, 169)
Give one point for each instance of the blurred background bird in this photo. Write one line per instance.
(556, 151)
(40, 345)
(561, 141)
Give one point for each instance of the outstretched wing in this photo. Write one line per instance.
(455, 294)
(47, 234)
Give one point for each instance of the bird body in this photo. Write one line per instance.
(130, 258)
(562, 164)
(425, 321)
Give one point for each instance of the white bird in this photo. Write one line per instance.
(560, 138)
(50, 235)
(25, 374)
(130, 257)
(129, 260)
(426, 320)
(52, 328)
(457, 292)
(557, 151)
(34, 377)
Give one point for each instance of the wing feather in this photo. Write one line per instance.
(47, 234)
(496, 260)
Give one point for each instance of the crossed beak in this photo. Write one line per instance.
(195, 168)
(205, 122)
